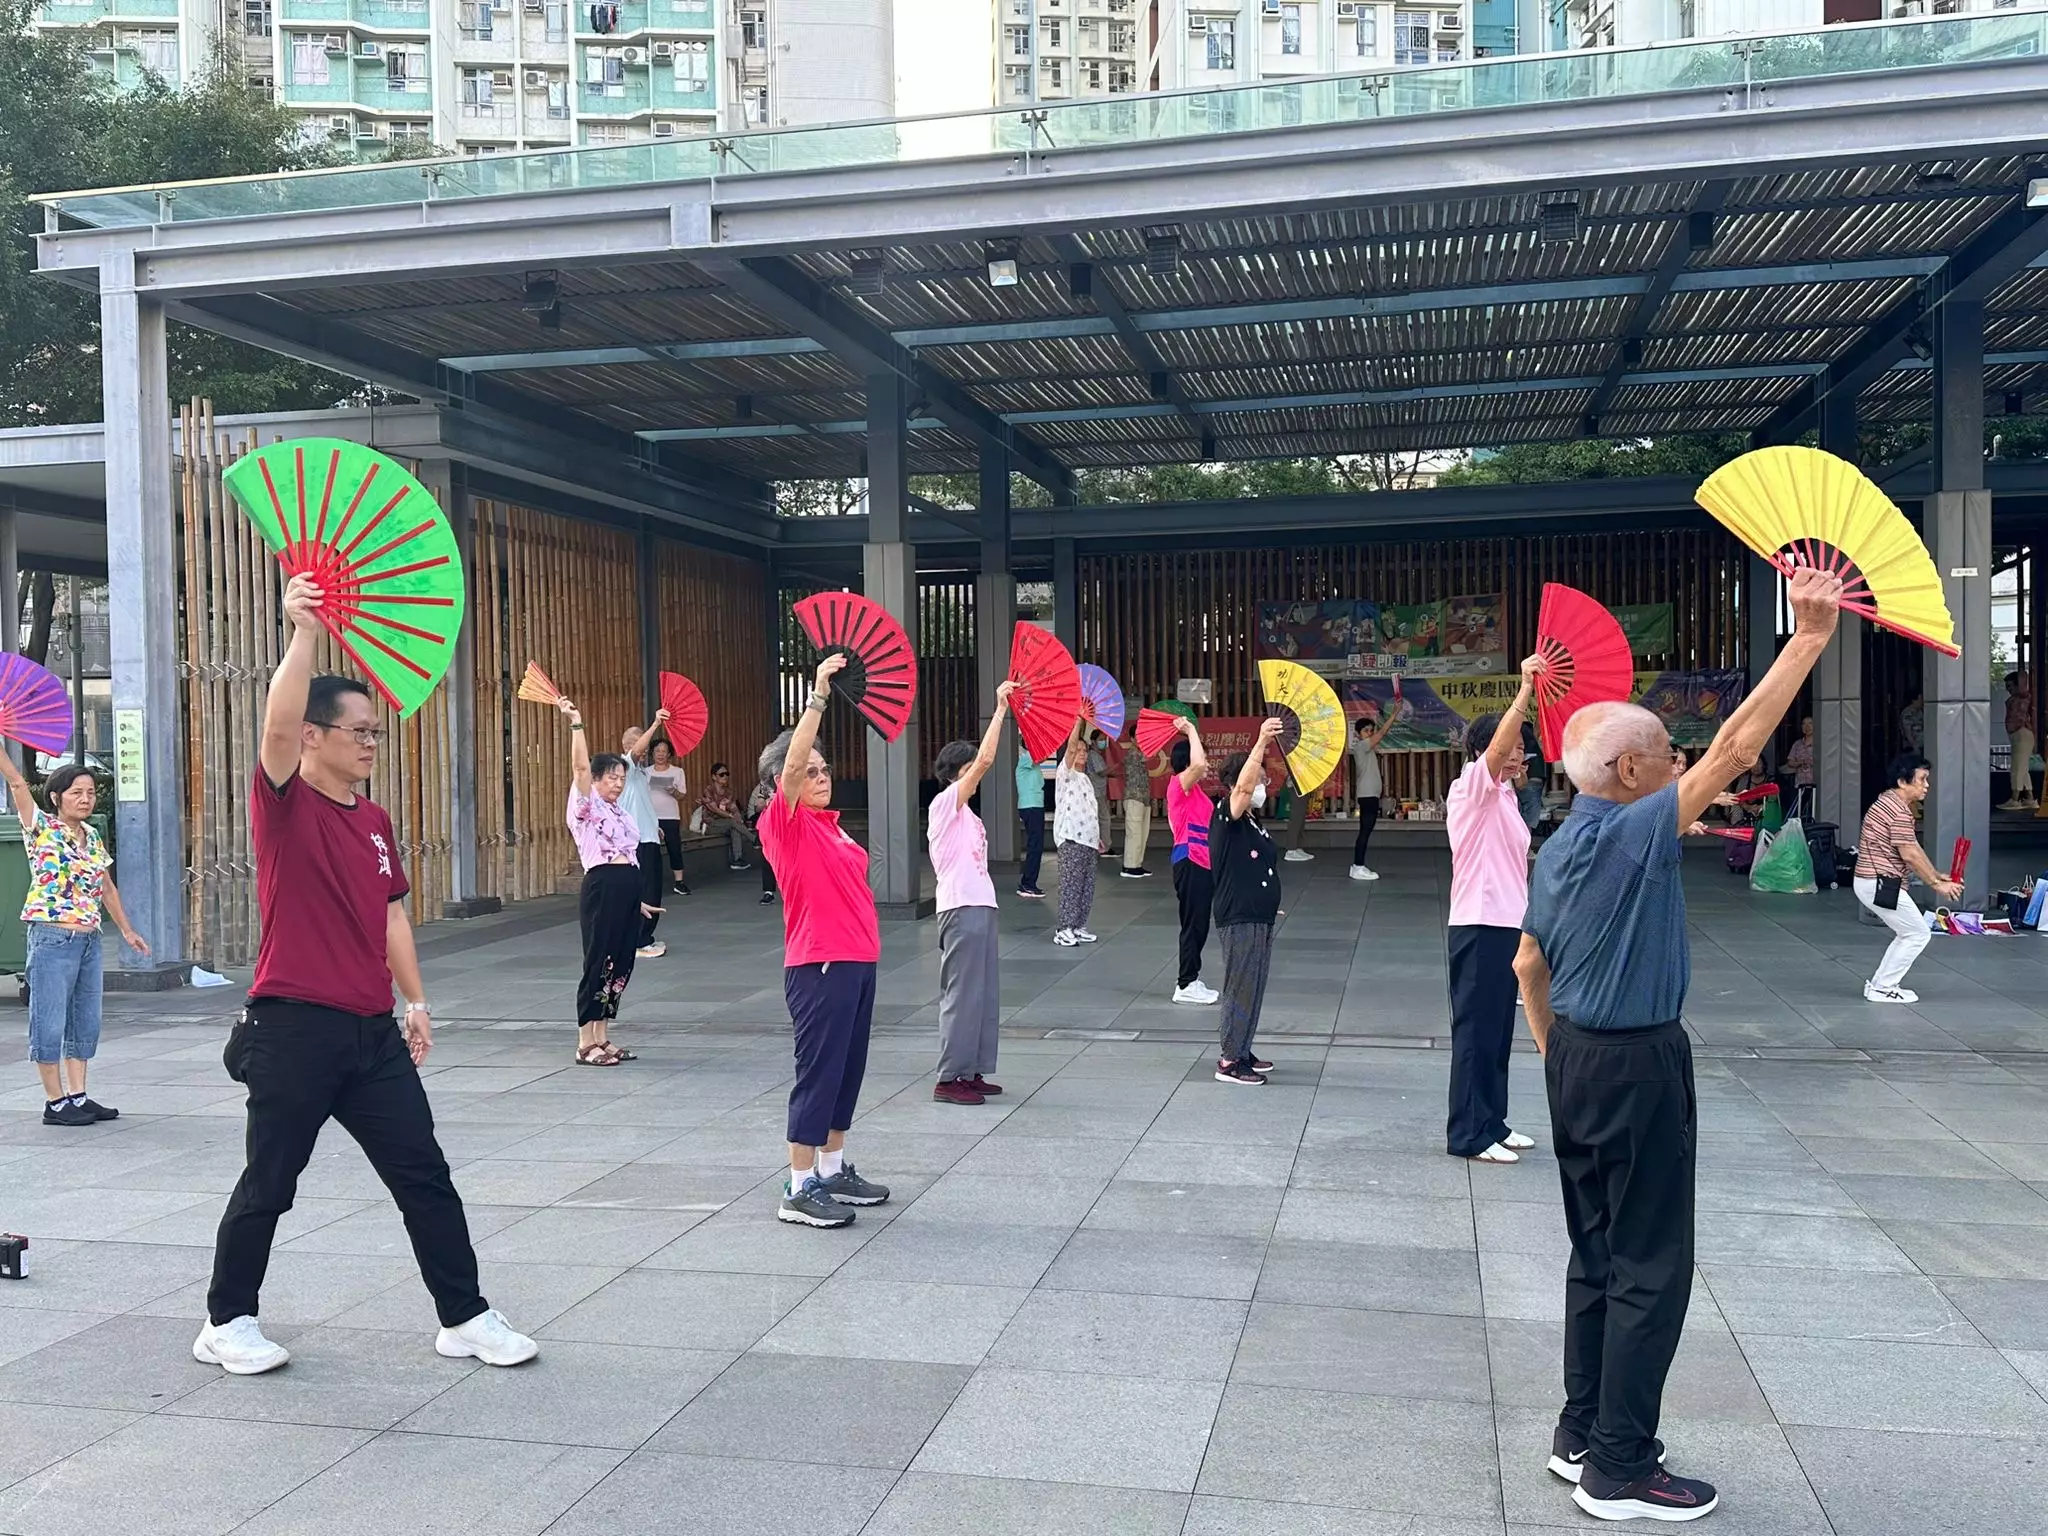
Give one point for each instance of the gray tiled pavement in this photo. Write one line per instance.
(1120, 1299)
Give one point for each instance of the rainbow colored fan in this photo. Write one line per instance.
(1102, 700)
(35, 709)
(880, 679)
(688, 714)
(1586, 660)
(1047, 700)
(1802, 507)
(379, 547)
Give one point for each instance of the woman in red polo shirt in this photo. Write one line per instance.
(831, 943)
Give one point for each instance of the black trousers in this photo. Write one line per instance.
(305, 1065)
(608, 908)
(652, 887)
(1194, 888)
(1624, 1118)
(832, 1007)
(1033, 817)
(672, 842)
(1368, 818)
(1483, 990)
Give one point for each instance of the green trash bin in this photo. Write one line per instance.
(14, 891)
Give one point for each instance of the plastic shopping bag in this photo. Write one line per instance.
(1784, 865)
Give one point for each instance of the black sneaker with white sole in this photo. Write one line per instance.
(1660, 1496)
(849, 1188)
(1241, 1073)
(1568, 1453)
(811, 1206)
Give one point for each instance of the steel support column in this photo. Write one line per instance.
(995, 612)
(1958, 530)
(142, 582)
(889, 576)
(1760, 608)
(10, 579)
(448, 480)
(1838, 679)
(1066, 598)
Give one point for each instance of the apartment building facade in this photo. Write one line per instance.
(1627, 23)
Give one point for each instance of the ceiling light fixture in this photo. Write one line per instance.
(1558, 224)
(867, 276)
(1003, 271)
(1162, 250)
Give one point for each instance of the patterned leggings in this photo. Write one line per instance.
(1077, 883)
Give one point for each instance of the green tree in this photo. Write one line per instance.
(63, 128)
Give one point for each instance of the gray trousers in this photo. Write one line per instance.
(1247, 960)
(969, 991)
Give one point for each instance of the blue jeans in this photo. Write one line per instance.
(63, 993)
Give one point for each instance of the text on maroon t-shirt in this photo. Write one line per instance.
(326, 875)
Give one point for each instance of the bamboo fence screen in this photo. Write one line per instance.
(231, 639)
(713, 628)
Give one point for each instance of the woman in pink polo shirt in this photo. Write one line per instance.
(831, 943)
(1489, 894)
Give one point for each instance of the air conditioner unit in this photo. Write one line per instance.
(629, 55)
(536, 7)
(664, 50)
(370, 51)
(1347, 10)
(1271, 7)
(536, 79)
(334, 45)
(341, 125)
(501, 7)
(664, 130)
(1198, 26)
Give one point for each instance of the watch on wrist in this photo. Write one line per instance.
(419, 1007)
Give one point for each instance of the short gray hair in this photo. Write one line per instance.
(774, 755)
(1600, 733)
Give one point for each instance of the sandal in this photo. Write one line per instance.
(595, 1056)
(619, 1052)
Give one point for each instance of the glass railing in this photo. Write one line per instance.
(1743, 63)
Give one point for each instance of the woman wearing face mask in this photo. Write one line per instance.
(1244, 863)
(1489, 894)
(609, 905)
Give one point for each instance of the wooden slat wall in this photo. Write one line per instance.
(1154, 618)
(231, 640)
(560, 592)
(714, 630)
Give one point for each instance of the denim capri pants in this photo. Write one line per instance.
(63, 993)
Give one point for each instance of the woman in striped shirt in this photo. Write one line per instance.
(1887, 852)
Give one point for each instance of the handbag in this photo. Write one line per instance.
(1887, 897)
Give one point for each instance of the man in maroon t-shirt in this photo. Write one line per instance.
(318, 1039)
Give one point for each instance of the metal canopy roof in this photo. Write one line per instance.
(1727, 259)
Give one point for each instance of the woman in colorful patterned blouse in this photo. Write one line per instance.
(609, 904)
(68, 887)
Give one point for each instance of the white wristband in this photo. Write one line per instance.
(419, 1007)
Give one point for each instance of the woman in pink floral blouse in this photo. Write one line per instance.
(609, 905)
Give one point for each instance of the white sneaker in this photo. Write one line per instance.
(1496, 1154)
(1065, 938)
(487, 1337)
(1207, 993)
(1298, 856)
(1195, 993)
(238, 1347)
(1360, 872)
(1515, 1141)
(1083, 936)
(1877, 994)
(652, 951)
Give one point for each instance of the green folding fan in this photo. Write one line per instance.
(373, 539)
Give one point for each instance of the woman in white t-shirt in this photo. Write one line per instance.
(666, 786)
(1077, 830)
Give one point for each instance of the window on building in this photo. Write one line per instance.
(1369, 33)
(1055, 36)
(405, 69)
(604, 74)
(1056, 75)
(265, 83)
(476, 88)
(693, 68)
(258, 17)
(558, 95)
(473, 19)
(1091, 33)
(1020, 42)
(1449, 55)
(1222, 43)
(753, 29)
(558, 21)
(1290, 29)
(309, 59)
(1021, 9)
(1411, 37)
(157, 48)
(606, 133)
(411, 130)
(1091, 72)
(1123, 37)
(755, 101)
(1122, 78)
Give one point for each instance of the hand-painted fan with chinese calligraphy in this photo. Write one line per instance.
(880, 679)
(536, 687)
(688, 714)
(378, 546)
(1314, 735)
(1102, 700)
(1048, 697)
(35, 710)
(1156, 731)
(1586, 660)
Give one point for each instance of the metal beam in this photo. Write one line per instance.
(2004, 248)
(783, 290)
(1102, 292)
(1678, 252)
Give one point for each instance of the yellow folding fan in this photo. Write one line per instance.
(1802, 507)
(1313, 737)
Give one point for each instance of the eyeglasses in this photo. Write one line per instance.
(819, 771)
(363, 735)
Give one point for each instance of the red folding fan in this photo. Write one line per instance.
(1048, 697)
(1959, 860)
(35, 709)
(688, 714)
(880, 679)
(1156, 731)
(1586, 660)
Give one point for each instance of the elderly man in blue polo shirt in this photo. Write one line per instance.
(1604, 966)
